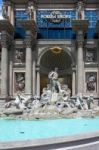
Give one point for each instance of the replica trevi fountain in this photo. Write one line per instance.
(54, 102)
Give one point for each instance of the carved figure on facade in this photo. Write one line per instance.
(30, 11)
(80, 10)
(90, 101)
(91, 55)
(20, 82)
(5, 11)
(91, 82)
(19, 56)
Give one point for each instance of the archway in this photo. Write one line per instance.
(52, 58)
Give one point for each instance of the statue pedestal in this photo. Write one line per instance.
(29, 25)
(79, 25)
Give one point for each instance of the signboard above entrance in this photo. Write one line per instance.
(55, 17)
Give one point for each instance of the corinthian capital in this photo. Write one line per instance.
(6, 39)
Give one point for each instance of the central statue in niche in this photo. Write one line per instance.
(55, 91)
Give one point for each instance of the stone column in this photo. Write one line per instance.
(28, 74)
(34, 76)
(30, 28)
(4, 65)
(80, 62)
(11, 69)
(80, 27)
(38, 81)
(73, 82)
(97, 30)
(7, 31)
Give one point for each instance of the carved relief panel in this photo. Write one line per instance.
(91, 55)
(91, 82)
(19, 56)
(19, 82)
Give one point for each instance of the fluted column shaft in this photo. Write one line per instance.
(31, 30)
(73, 83)
(38, 81)
(34, 77)
(80, 62)
(28, 74)
(4, 64)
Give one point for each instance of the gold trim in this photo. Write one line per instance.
(56, 50)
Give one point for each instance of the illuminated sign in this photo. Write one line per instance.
(55, 17)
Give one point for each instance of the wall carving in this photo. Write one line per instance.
(19, 57)
(30, 11)
(19, 85)
(91, 82)
(5, 11)
(80, 10)
(91, 55)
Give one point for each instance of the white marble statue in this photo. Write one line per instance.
(80, 10)
(5, 11)
(55, 85)
(21, 101)
(90, 101)
(36, 102)
(30, 11)
(55, 91)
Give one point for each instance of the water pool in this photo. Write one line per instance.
(17, 130)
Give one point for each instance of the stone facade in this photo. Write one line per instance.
(26, 62)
